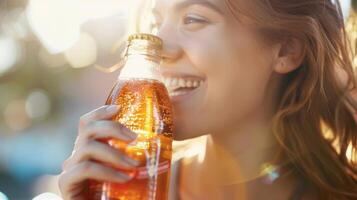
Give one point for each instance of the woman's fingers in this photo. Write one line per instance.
(92, 159)
(108, 129)
(89, 170)
(102, 113)
(97, 130)
(100, 152)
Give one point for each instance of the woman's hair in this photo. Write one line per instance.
(313, 122)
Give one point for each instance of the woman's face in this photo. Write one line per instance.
(222, 67)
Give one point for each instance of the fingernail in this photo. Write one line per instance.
(129, 176)
(113, 108)
(121, 176)
(132, 175)
(132, 161)
(131, 134)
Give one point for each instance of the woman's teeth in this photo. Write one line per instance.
(174, 83)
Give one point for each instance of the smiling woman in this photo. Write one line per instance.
(258, 79)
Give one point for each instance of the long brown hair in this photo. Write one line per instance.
(313, 122)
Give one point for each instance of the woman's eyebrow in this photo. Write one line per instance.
(186, 3)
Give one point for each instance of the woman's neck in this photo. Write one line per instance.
(243, 150)
(234, 159)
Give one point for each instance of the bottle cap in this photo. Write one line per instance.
(144, 44)
(145, 37)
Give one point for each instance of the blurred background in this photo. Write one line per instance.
(54, 62)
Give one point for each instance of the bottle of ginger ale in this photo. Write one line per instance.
(145, 108)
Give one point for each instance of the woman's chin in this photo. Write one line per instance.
(180, 134)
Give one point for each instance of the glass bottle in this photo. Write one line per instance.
(145, 108)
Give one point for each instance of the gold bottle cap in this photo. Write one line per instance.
(146, 37)
(144, 44)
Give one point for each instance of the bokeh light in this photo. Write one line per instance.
(15, 115)
(47, 196)
(83, 53)
(10, 53)
(3, 196)
(38, 104)
(14, 24)
(57, 22)
(351, 156)
(345, 6)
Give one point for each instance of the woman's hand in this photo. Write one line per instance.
(89, 154)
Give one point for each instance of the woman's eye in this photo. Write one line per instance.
(191, 20)
(194, 23)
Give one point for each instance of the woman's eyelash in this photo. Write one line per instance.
(190, 20)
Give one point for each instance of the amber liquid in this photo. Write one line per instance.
(145, 108)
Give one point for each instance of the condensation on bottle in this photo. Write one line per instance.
(145, 108)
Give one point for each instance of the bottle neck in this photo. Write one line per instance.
(141, 67)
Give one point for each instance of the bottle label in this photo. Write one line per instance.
(143, 172)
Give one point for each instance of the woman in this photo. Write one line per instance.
(268, 93)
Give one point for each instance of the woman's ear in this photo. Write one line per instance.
(290, 57)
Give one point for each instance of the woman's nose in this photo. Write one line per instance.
(172, 50)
